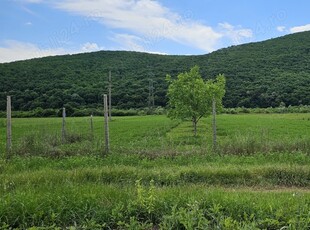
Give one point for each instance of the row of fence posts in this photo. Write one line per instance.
(107, 118)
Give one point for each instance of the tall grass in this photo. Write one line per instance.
(94, 206)
(44, 144)
(251, 143)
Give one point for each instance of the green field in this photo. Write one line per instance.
(158, 176)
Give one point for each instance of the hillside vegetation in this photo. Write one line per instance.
(259, 74)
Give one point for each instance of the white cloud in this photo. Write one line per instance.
(236, 33)
(89, 47)
(139, 24)
(28, 23)
(129, 42)
(133, 43)
(147, 19)
(281, 28)
(300, 28)
(12, 50)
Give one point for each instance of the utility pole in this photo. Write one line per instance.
(151, 101)
(106, 124)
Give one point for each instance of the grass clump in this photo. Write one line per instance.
(51, 145)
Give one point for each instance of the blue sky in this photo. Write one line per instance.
(37, 28)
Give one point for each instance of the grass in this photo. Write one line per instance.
(156, 135)
(97, 206)
(42, 136)
(265, 133)
(125, 170)
(158, 176)
(131, 191)
(247, 134)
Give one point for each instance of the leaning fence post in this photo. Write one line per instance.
(106, 124)
(8, 126)
(63, 128)
(214, 124)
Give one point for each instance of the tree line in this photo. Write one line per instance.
(263, 74)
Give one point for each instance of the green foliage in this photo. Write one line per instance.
(84, 112)
(191, 98)
(281, 109)
(263, 74)
(146, 199)
(188, 96)
(190, 217)
(95, 205)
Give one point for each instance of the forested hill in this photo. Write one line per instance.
(258, 75)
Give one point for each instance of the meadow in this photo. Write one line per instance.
(157, 175)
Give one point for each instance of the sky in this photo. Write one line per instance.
(38, 28)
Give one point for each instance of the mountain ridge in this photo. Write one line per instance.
(260, 74)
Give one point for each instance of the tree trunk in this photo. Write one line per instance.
(195, 126)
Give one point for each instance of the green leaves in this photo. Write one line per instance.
(190, 97)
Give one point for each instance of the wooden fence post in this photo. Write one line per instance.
(8, 127)
(63, 128)
(91, 126)
(106, 124)
(214, 124)
(110, 96)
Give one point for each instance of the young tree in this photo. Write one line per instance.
(190, 97)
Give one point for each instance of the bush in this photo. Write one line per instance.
(281, 109)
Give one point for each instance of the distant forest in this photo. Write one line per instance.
(263, 74)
